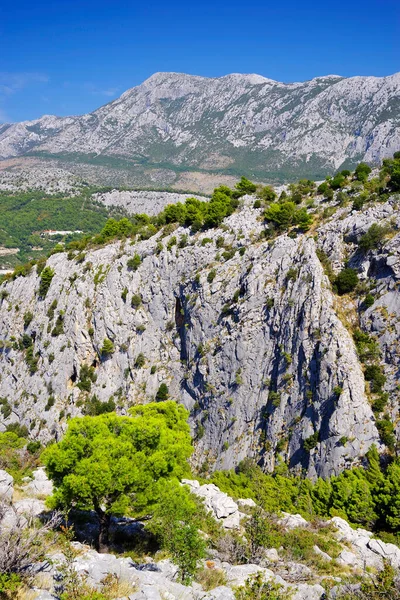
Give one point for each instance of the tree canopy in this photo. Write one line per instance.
(111, 464)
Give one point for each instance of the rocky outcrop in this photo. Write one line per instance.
(246, 333)
(6, 486)
(224, 509)
(176, 122)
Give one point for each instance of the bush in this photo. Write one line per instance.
(244, 186)
(311, 442)
(373, 238)
(362, 171)
(346, 281)
(211, 275)
(256, 588)
(87, 376)
(28, 317)
(136, 300)
(94, 406)
(107, 347)
(376, 377)
(134, 263)
(46, 278)
(162, 393)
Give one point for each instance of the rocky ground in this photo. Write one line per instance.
(155, 579)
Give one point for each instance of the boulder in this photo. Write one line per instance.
(6, 486)
(223, 507)
(40, 485)
(388, 552)
(292, 521)
(304, 591)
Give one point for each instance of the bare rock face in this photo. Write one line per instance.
(173, 120)
(248, 336)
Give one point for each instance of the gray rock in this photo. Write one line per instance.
(223, 507)
(40, 484)
(305, 591)
(6, 486)
(292, 521)
(322, 554)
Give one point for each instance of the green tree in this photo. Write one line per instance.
(109, 463)
(162, 393)
(373, 238)
(175, 523)
(107, 347)
(281, 215)
(346, 281)
(362, 171)
(46, 277)
(351, 493)
(245, 186)
(267, 193)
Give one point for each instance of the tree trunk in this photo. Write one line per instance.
(103, 541)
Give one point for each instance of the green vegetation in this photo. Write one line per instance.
(25, 215)
(134, 263)
(15, 456)
(93, 406)
(369, 497)
(374, 237)
(46, 277)
(107, 348)
(346, 281)
(148, 448)
(162, 393)
(285, 215)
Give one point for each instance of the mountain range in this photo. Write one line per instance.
(177, 130)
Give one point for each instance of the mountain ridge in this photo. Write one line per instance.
(235, 124)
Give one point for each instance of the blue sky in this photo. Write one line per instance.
(71, 56)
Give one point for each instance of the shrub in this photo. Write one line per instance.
(107, 347)
(375, 376)
(134, 263)
(368, 301)
(162, 393)
(211, 275)
(373, 238)
(46, 277)
(140, 361)
(94, 406)
(346, 281)
(311, 442)
(136, 300)
(244, 186)
(362, 171)
(87, 376)
(50, 403)
(256, 587)
(28, 317)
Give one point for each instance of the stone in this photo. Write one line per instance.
(271, 554)
(40, 485)
(6, 486)
(247, 502)
(292, 521)
(237, 575)
(304, 591)
(322, 554)
(223, 507)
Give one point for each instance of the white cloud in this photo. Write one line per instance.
(10, 83)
